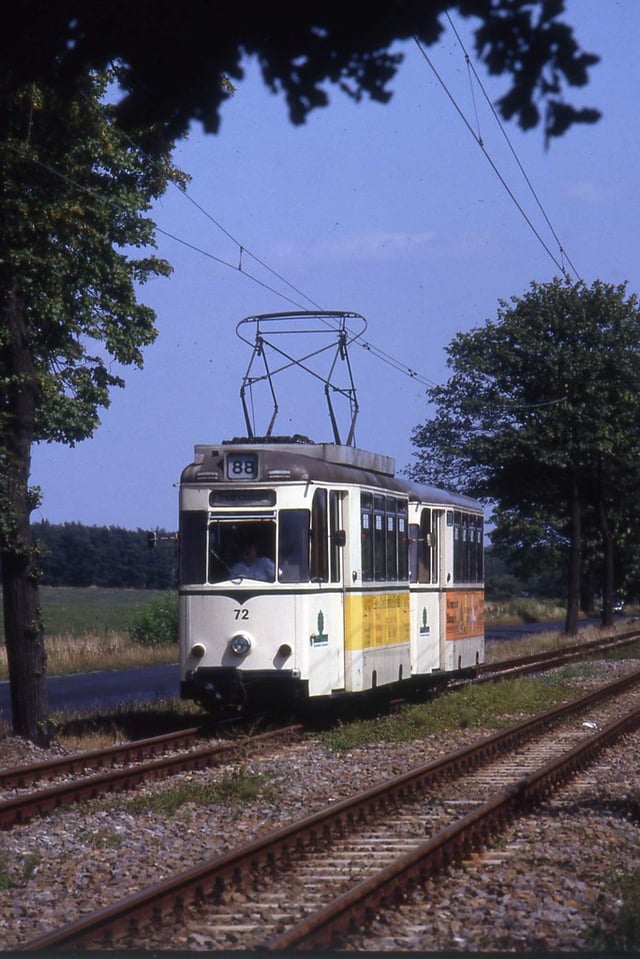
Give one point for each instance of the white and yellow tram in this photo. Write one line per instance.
(310, 570)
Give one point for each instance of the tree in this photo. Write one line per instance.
(172, 59)
(73, 191)
(74, 197)
(542, 416)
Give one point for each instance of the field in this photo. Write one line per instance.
(88, 629)
(72, 612)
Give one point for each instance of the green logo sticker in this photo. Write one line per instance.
(320, 638)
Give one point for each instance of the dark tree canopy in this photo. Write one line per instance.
(175, 56)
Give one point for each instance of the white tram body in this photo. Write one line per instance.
(364, 580)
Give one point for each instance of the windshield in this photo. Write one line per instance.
(245, 549)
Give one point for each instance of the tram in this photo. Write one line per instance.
(310, 571)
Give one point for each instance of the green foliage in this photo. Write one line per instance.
(68, 611)
(73, 214)
(541, 416)
(551, 386)
(75, 194)
(7, 875)
(622, 936)
(76, 555)
(302, 50)
(236, 788)
(484, 705)
(156, 624)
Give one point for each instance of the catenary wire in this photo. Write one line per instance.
(480, 143)
(507, 139)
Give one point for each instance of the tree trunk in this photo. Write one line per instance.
(588, 593)
(24, 634)
(575, 555)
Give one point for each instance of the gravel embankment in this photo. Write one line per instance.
(547, 885)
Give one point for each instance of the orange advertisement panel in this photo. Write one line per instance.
(465, 614)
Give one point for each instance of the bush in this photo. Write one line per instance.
(156, 624)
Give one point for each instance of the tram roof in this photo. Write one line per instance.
(300, 460)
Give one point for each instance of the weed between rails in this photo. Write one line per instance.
(488, 705)
(234, 789)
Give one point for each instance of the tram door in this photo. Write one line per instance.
(325, 617)
(427, 596)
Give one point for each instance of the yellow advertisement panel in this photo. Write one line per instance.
(465, 614)
(379, 620)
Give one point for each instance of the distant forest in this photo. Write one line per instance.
(77, 555)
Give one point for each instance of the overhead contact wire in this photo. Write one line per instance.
(488, 158)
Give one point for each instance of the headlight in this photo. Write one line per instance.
(198, 650)
(240, 644)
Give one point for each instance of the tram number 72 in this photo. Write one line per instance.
(241, 613)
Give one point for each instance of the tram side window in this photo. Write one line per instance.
(379, 540)
(366, 532)
(424, 547)
(457, 547)
(319, 537)
(193, 546)
(384, 537)
(391, 542)
(293, 549)
(467, 548)
(473, 557)
(403, 541)
(334, 527)
(414, 546)
(478, 551)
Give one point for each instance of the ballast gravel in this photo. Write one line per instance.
(552, 881)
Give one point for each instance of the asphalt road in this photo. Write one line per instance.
(86, 691)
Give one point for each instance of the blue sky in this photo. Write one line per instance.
(391, 211)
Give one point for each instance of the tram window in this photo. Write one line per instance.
(319, 537)
(193, 546)
(229, 541)
(466, 551)
(403, 542)
(379, 540)
(457, 547)
(414, 537)
(366, 532)
(424, 551)
(436, 518)
(473, 555)
(293, 551)
(334, 524)
(467, 548)
(391, 542)
(479, 549)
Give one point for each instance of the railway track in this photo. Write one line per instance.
(551, 659)
(125, 766)
(133, 768)
(321, 879)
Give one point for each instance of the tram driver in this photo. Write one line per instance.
(253, 566)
